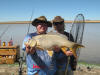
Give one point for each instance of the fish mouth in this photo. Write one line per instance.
(31, 43)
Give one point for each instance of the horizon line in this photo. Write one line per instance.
(27, 22)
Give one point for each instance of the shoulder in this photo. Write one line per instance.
(31, 34)
(66, 33)
(70, 37)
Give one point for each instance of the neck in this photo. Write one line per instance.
(62, 32)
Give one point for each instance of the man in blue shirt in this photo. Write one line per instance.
(39, 62)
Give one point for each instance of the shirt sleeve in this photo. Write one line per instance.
(28, 37)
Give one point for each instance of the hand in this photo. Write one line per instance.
(56, 48)
(30, 50)
(69, 53)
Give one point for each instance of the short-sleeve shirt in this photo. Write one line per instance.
(39, 62)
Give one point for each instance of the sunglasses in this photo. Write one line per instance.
(40, 22)
(57, 23)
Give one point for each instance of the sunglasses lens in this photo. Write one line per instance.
(41, 22)
(58, 23)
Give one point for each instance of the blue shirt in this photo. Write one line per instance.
(39, 62)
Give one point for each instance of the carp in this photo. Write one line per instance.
(49, 40)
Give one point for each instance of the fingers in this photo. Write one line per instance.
(29, 49)
(32, 50)
(68, 53)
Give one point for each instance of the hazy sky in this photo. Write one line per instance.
(21, 10)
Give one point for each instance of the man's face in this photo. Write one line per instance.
(59, 26)
(41, 28)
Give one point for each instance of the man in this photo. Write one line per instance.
(61, 58)
(38, 62)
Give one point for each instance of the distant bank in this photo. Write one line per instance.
(27, 22)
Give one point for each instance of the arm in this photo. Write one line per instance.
(67, 52)
(26, 47)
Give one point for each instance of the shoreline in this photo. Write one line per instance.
(81, 69)
(27, 22)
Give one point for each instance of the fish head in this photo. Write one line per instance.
(31, 43)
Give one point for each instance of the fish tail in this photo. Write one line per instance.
(64, 49)
(74, 48)
(78, 46)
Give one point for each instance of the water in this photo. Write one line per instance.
(91, 38)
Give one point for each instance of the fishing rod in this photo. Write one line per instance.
(4, 31)
(21, 58)
(20, 65)
(77, 30)
(30, 23)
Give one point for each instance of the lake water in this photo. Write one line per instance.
(91, 38)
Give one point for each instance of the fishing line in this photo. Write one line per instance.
(30, 21)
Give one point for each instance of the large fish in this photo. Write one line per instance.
(48, 41)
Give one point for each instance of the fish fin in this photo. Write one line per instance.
(50, 52)
(74, 48)
(80, 46)
(38, 47)
(64, 49)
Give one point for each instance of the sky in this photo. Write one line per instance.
(23, 10)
